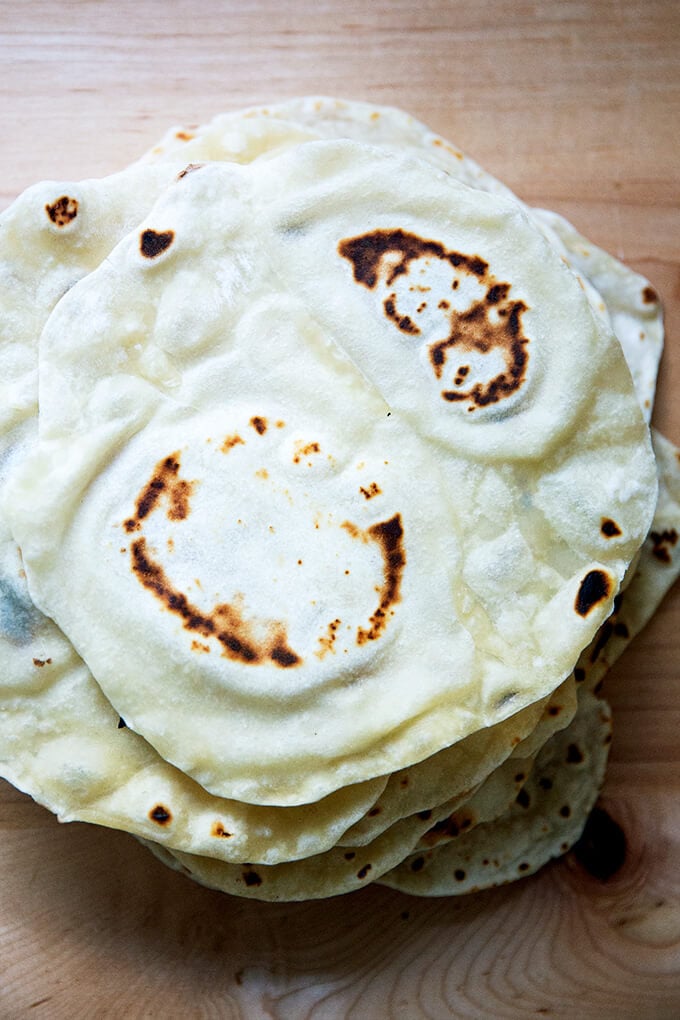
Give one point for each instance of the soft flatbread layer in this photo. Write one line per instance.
(537, 466)
(527, 811)
(625, 299)
(469, 851)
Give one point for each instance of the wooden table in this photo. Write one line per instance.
(576, 106)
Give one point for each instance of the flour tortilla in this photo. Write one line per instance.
(84, 764)
(626, 300)
(470, 850)
(541, 824)
(527, 812)
(294, 742)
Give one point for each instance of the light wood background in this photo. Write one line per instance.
(575, 105)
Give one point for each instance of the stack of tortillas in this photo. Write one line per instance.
(328, 499)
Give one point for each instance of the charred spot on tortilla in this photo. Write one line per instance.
(252, 878)
(247, 641)
(661, 541)
(62, 211)
(259, 424)
(389, 535)
(160, 814)
(163, 484)
(366, 253)
(609, 528)
(218, 830)
(154, 242)
(595, 587)
(488, 324)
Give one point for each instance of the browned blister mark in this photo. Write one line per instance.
(154, 242)
(303, 449)
(473, 331)
(166, 485)
(259, 424)
(649, 296)
(403, 322)
(601, 639)
(661, 541)
(42, 662)
(252, 878)
(450, 827)
(595, 587)
(369, 491)
(241, 639)
(389, 535)
(184, 136)
(327, 640)
(362, 872)
(492, 323)
(230, 442)
(609, 528)
(62, 211)
(160, 814)
(218, 830)
(367, 252)
(574, 754)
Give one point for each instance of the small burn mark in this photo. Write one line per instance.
(403, 322)
(184, 136)
(153, 243)
(523, 799)
(62, 211)
(259, 424)
(661, 541)
(554, 710)
(602, 639)
(650, 296)
(565, 811)
(418, 864)
(595, 587)
(389, 536)
(198, 646)
(374, 811)
(42, 662)
(362, 872)
(247, 641)
(367, 252)
(327, 641)
(382, 256)
(523, 866)
(545, 783)
(122, 725)
(230, 442)
(370, 491)
(251, 878)
(459, 875)
(303, 449)
(160, 814)
(218, 830)
(350, 855)
(609, 528)
(574, 754)
(164, 484)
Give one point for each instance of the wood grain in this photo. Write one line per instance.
(575, 105)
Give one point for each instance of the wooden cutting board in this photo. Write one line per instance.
(576, 106)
